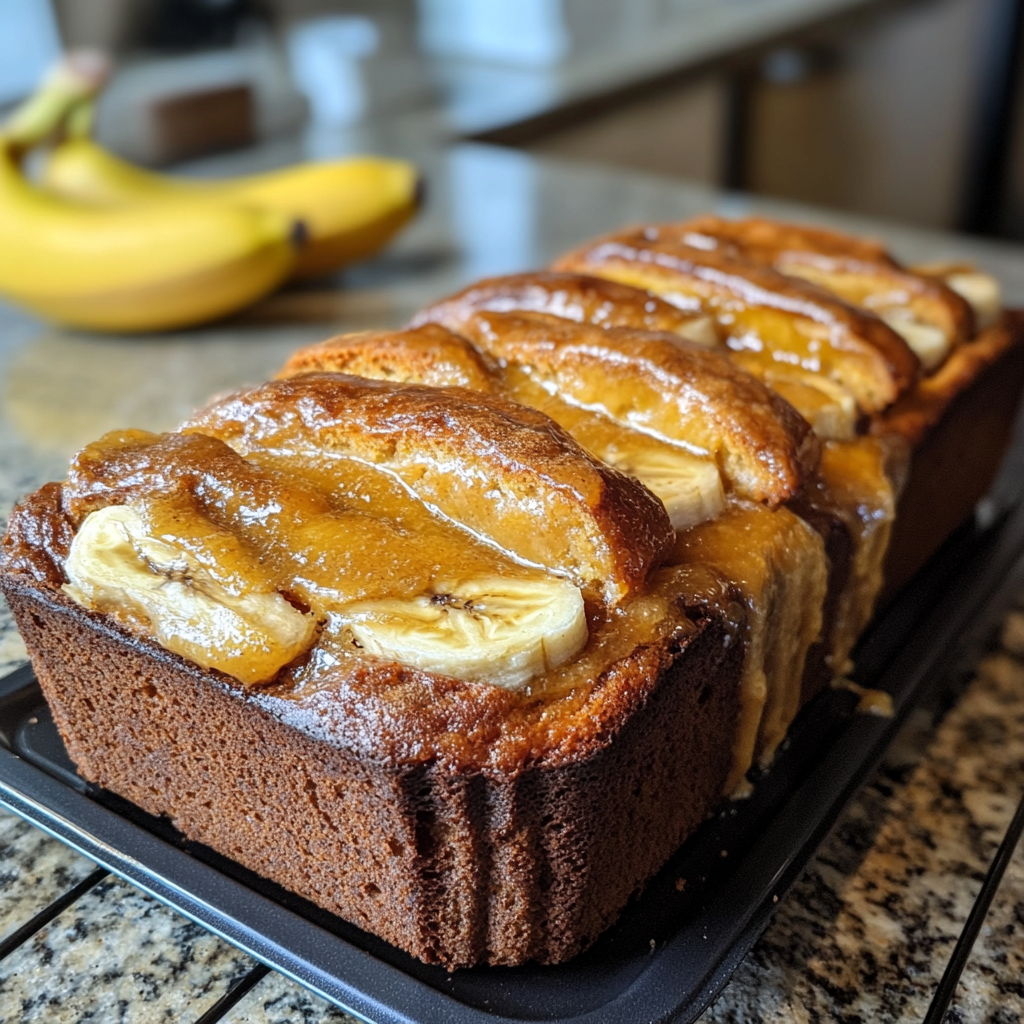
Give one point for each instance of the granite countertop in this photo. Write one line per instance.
(864, 935)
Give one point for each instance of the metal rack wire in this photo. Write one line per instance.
(965, 943)
(16, 939)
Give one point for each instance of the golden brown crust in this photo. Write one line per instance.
(663, 385)
(769, 316)
(579, 297)
(860, 271)
(427, 354)
(504, 471)
(38, 536)
(916, 413)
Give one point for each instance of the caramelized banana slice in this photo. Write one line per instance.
(660, 385)
(425, 355)
(689, 486)
(772, 320)
(116, 565)
(828, 406)
(508, 474)
(930, 316)
(579, 297)
(981, 291)
(496, 630)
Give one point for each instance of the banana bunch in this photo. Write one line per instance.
(140, 269)
(349, 208)
(102, 245)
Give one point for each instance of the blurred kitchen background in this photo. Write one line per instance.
(906, 109)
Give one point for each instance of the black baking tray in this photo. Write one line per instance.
(674, 947)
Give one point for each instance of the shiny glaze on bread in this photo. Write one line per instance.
(768, 318)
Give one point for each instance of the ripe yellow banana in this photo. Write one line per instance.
(140, 268)
(350, 208)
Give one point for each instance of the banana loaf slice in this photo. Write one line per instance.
(283, 626)
(702, 435)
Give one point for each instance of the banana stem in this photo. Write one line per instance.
(71, 85)
(80, 120)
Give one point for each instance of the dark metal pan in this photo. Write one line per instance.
(674, 947)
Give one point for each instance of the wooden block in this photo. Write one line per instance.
(196, 123)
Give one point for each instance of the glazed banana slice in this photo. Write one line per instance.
(497, 631)
(690, 488)
(929, 343)
(114, 565)
(829, 407)
(983, 293)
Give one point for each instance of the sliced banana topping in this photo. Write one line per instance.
(702, 331)
(827, 405)
(929, 343)
(114, 565)
(493, 630)
(689, 487)
(982, 293)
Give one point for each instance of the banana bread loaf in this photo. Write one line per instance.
(459, 631)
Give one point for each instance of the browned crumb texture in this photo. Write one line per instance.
(455, 866)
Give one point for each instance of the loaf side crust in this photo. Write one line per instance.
(956, 432)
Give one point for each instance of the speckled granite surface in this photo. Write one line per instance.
(865, 934)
